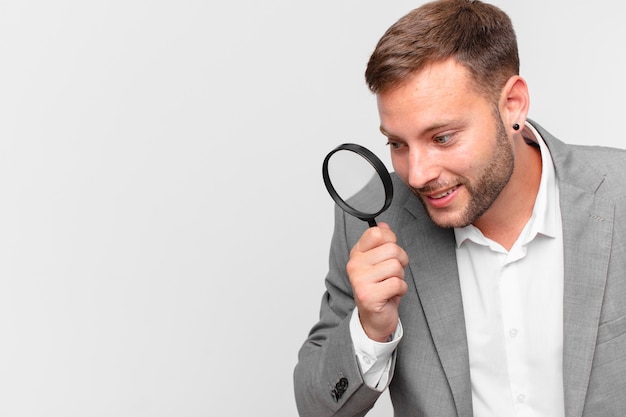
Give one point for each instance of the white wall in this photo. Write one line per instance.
(163, 224)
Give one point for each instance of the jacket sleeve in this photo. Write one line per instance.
(327, 378)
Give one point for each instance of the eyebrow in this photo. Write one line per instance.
(429, 129)
(384, 132)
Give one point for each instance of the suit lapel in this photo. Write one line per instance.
(437, 283)
(587, 232)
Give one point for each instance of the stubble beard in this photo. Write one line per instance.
(484, 191)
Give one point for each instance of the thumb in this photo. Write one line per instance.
(383, 225)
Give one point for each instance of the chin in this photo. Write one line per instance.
(449, 220)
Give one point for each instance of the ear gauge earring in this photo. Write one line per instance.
(516, 126)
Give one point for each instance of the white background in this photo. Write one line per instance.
(164, 227)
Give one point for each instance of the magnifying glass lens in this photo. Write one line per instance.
(350, 173)
(358, 181)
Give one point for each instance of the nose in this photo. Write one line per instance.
(423, 168)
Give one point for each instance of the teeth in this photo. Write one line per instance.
(442, 195)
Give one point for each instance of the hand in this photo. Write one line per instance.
(376, 272)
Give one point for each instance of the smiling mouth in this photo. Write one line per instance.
(443, 194)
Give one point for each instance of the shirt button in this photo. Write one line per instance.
(521, 398)
(513, 332)
(367, 360)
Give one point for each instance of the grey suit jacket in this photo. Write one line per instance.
(431, 376)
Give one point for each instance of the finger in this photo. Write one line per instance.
(380, 254)
(374, 301)
(374, 237)
(391, 268)
(394, 287)
(359, 272)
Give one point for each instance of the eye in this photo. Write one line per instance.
(395, 146)
(443, 139)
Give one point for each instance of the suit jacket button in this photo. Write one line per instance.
(340, 388)
(342, 384)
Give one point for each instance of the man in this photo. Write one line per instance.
(495, 284)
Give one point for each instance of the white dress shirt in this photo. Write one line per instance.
(513, 305)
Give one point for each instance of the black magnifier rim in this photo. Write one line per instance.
(381, 170)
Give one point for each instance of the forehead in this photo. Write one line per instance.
(441, 90)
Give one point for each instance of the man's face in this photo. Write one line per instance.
(447, 144)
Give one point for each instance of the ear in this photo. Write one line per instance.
(514, 102)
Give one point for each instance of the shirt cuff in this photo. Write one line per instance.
(374, 357)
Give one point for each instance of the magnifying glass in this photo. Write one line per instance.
(351, 168)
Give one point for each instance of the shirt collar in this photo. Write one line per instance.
(544, 217)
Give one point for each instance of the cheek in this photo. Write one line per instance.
(466, 161)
